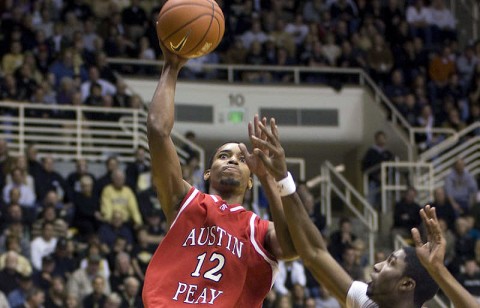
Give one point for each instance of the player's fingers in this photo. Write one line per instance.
(256, 130)
(274, 129)
(267, 145)
(416, 237)
(270, 137)
(244, 149)
(264, 158)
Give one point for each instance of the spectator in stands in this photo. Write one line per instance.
(380, 59)
(65, 67)
(8, 275)
(119, 197)
(49, 214)
(50, 180)
(396, 90)
(104, 69)
(86, 208)
(443, 208)
(44, 278)
(13, 245)
(111, 165)
(43, 245)
(6, 161)
(114, 228)
(34, 166)
(136, 168)
(442, 21)
(81, 283)
(131, 295)
(298, 29)
(450, 241)
(27, 195)
(94, 78)
(290, 273)
(96, 249)
(98, 296)
(33, 298)
(255, 34)
(312, 11)
(440, 68)
(135, 19)
(349, 264)
(406, 215)
(371, 162)
(461, 188)
(121, 97)
(14, 59)
(16, 235)
(21, 294)
(464, 245)
(142, 252)
(466, 64)
(470, 278)
(65, 264)
(418, 17)
(113, 301)
(123, 269)
(74, 178)
(341, 239)
(56, 294)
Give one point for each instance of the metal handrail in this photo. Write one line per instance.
(450, 142)
(80, 137)
(367, 215)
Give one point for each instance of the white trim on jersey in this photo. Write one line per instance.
(214, 198)
(237, 208)
(185, 204)
(272, 263)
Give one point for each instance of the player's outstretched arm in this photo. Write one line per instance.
(277, 239)
(432, 255)
(166, 170)
(306, 237)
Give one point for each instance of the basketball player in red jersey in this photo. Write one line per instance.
(215, 253)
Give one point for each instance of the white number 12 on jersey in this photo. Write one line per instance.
(213, 273)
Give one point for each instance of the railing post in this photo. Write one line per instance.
(231, 77)
(79, 132)
(135, 130)
(383, 183)
(296, 76)
(21, 132)
(475, 22)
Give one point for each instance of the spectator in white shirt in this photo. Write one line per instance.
(27, 196)
(442, 21)
(43, 245)
(419, 19)
(290, 273)
(298, 29)
(466, 64)
(94, 77)
(254, 34)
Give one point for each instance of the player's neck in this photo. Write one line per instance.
(405, 303)
(231, 197)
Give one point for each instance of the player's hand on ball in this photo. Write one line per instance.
(172, 59)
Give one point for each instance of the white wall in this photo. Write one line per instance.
(228, 97)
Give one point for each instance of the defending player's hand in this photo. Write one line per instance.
(253, 161)
(431, 253)
(274, 158)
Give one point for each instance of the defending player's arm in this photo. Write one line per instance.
(277, 240)
(306, 237)
(166, 170)
(432, 255)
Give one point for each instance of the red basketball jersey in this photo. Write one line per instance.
(213, 255)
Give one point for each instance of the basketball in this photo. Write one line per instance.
(190, 28)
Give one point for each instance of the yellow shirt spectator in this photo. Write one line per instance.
(118, 196)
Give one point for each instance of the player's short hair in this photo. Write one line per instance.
(425, 286)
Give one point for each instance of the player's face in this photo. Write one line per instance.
(387, 277)
(229, 168)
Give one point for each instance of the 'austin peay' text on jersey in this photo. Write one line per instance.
(213, 255)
